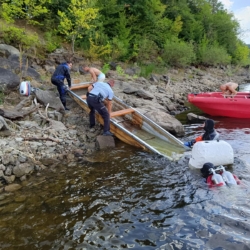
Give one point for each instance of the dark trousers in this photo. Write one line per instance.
(95, 105)
(61, 90)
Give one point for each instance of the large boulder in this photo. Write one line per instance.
(8, 80)
(164, 120)
(49, 97)
(7, 50)
(13, 64)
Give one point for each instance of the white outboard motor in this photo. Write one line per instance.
(25, 88)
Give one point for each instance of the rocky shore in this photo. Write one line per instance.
(44, 136)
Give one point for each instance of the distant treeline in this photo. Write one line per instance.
(165, 32)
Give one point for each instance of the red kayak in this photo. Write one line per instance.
(217, 104)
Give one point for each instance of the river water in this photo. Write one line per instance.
(127, 198)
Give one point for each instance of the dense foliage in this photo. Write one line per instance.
(165, 32)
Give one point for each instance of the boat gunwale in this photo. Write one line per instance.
(146, 145)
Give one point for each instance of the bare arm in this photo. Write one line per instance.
(93, 75)
(90, 88)
(108, 104)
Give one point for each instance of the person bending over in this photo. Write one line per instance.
(99, 98)
(96, 74)
(229, 88)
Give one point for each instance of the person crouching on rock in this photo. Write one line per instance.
(209, 135)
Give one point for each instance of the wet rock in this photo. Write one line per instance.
(195, 118)
(103, 142)
(9, 179)
(12, 187)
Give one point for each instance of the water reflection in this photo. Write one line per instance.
(134, 200)
(126, 198)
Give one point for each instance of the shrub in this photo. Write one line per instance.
(19, 37)
(105, 68)
(97, 51)
(51, 42)
(145, 50)
(178, 53)
(214, 55)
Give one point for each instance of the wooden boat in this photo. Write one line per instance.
(132, 127)
(217, 104)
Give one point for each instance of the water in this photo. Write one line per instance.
(126, 198)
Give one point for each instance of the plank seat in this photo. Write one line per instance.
(75, 87)
(121, 112)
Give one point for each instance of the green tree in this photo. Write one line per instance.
(241, 54)
(76, 20)
(28, 10)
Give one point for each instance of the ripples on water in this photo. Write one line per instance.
(126, 199)
(130, 199)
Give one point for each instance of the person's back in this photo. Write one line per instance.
(229, 88)
(99, 98)
(62, 72)
(104, 89)
(96, 74)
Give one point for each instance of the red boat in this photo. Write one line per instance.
(217, 104)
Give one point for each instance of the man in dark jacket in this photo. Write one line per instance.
(62, 71)
(209, 135)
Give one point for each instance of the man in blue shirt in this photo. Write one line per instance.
(62, 71)
(99, 98)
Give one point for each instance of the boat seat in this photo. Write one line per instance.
(121, 112)
(75, 87)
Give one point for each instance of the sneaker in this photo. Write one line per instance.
(107, 133)
(66, 108)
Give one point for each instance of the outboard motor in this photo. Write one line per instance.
(25, 88)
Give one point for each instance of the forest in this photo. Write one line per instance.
(174, 33)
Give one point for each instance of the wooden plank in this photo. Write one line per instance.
(121, 112)
(75, 87)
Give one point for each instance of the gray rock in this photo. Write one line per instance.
(8, 80)
(8, 50)
(145, 95)
(195, 118)
(130, 90)
(165, 120)
(23, 169)
(103, 142)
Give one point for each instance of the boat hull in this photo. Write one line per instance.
(215, 104)
(132, 127)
